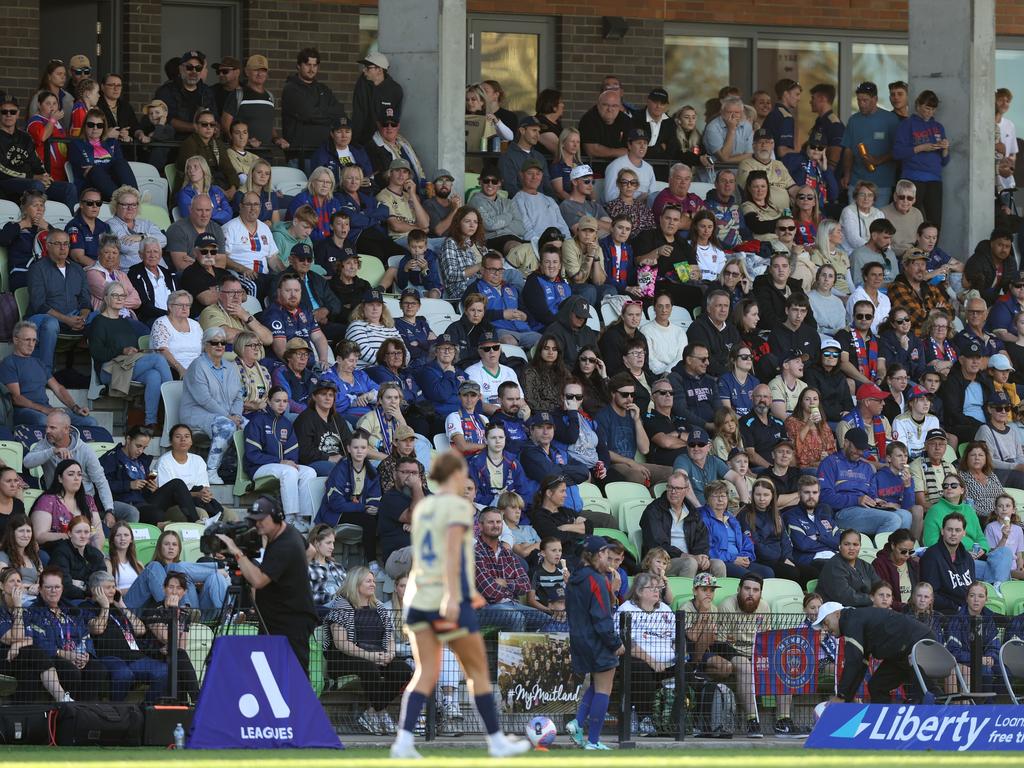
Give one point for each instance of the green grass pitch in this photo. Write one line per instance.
(689, 755)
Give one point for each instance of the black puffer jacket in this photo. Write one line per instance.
(656, 526)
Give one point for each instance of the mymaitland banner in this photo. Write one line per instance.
(535, 674)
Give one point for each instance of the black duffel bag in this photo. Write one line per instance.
(25, 723)
(98, 724)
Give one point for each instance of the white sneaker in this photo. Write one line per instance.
(66, 697)
(502, 745)
(404, 752)
(213, 478)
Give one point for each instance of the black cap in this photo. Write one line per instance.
(263, 507)
(345, 255)
(817, 139)
(341, 122)
(487, 337)
(859, 438)
(736, 452)
(543, 417)
(762, 133)
(785, 441)
(970, 348)
(373, 295)
(867, 87)
(793, 354)
(935, 434)
(302, 251)
(445, 338)
(530, 165)
(204, 239)
(191, 55)
(698, 437)
(580, 308)
(658, 94)
(636, 134)
(323, 383)
(529, 121)
(998, 398)
(411, 293)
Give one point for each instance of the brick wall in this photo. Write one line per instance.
(583, 58)
(19, 55)
(143, 68)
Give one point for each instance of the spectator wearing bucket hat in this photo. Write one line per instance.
(376, 95)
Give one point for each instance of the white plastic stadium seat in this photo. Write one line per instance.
(438, 313)
(9, 212)
(57, 214)
(441, 442)
(594, 321)
(287, 180)
(700, 188)
(512, 350)
(151, 184)
(170, 394)
(252, 305)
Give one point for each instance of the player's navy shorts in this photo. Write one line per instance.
(417, 620)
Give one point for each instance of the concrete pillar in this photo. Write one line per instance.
(425, 42)
(952, 52)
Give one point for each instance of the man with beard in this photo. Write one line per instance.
(746, 615)
(781, 187)
(812, 526)
(442, 206)
(773, 288)
(403, 447)
(761, 431)
(394, 521)
(187, 93)
(287, 320)
(579, 204)
(668, 245)
(860, 358)
(512, 414)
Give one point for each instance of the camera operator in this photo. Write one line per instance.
(280, 581)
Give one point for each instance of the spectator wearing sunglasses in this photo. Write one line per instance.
(186, 94)
(85, 229)
(810, 168)
(903, 215)
(620, 427)
(897, 565)
(502, 221)
(97, 161)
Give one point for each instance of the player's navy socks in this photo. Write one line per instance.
(598, 709)
(412, 705)
(583, 711)
(488, 712)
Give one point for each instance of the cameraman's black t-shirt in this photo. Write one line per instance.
(286, 603)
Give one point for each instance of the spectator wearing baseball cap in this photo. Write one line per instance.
(339, 151)
(827, 377)
(187, 93)
(702, 467)
(875, 128)
(307, 104)
(400, 193)
(376, 94)
(440, 379)
(229, 73)
(254, 105)
(846, 486)
(579, 203)
(518, 152)
(537, 210)
(966, 388)
(868, 416)
(911, 426)
(1002, 437)
(636, 151)
(657, 124)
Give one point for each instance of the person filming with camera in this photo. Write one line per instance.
(280, 581)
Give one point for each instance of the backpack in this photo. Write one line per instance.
(9, 315)
(716, 710)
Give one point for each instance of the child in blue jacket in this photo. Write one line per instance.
(353, 493)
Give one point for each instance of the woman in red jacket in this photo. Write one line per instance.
(896, 564)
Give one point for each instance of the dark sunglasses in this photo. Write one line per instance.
(786, 229)
(489, 180)
(731, 273)
(588, 359)
(303, 257)
(911, 198)
(490, 348)
(862, 316)
(574, 397)
(225, 70)
(95, 125)
(744, 357)
(662, 392)
(206, 124)
(8, 112)
(193, 67)
(629, 183)
(1015, 285)
(950, 485)
(208, 252)
(901, 320)
(92, 203)
(805, 197)
(81, 71)
(1001, 408)
(905, 551)
(217, 343)
(629, 395)
(816, 147)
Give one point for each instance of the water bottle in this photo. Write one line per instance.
(179, 737)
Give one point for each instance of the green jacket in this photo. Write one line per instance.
(933, 525)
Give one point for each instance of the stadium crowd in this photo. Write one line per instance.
(782, 370)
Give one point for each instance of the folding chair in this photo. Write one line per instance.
(1011, 662)
(932, 661)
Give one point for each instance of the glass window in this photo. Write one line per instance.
(367, 33)
(1010, 74)
(881, 63)
(513, 59)
(807, 62)
(697, 67)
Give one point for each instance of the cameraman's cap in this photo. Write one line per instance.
(261, 508)
(595, 544)
(659, 95)
(467, 387)
(581, 171)
(404, 432)
(698, 437)
(870, 89)
(705, 580)
(204, 239)
(826, 609)
(933, 434)
(540, 418)
(859, 438)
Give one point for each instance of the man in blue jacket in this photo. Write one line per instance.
(948, 566)
(846, 485)
(543, 457)
(812, 526)
(127, 468)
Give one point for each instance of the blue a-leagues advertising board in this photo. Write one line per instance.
(921, 727)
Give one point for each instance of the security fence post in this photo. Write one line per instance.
(172, 656)
(977, 652)
(679, 700)
(626, 683)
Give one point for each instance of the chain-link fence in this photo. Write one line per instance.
(741, 674)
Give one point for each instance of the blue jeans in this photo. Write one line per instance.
(38, 418)
(594, 294)
(515, 278)
(124, 673)
(151, 370)
(60, 191)
(525, 339)
(995, 568)
(47, 329)
(148, 589)
(738, 571)
(221, 431)
(512, 617)
(872, 521)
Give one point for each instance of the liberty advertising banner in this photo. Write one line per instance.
(919, 727)
(256, 696)
(535, 674)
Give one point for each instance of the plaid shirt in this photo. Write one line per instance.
(492, 565)
(917, 303)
